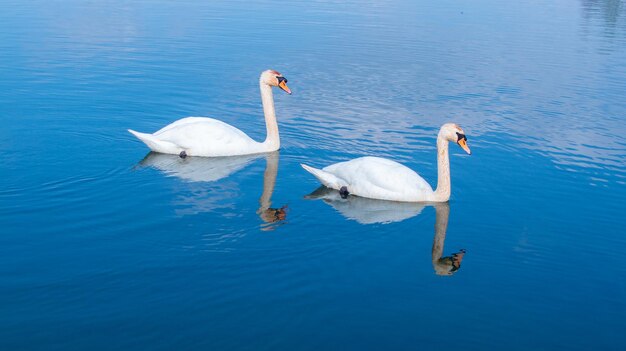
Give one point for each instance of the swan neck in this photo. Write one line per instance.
(272, 141)
(442, 193)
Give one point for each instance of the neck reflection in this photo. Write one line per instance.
(447, 265)
(271, 216)
(211, 169)
(372, 211)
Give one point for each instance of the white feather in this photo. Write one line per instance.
(376, 178)
(380, 178)
(202, 136)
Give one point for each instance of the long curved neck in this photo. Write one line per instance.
(272, 141)
(442, 193)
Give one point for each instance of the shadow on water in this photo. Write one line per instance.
(372, 211)
(211, 169)
(608, 10)
(605, 19)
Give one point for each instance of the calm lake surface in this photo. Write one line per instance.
(106, 247)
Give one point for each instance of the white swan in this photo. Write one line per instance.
(202, 136)
(380, 178)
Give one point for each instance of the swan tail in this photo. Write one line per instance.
(155, 144)
(328, 179)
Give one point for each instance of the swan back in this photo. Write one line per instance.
(202, 136)
(381, 178)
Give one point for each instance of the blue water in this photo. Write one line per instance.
(106, 247)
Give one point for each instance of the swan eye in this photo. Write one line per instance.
(460, 137)
(282, 79)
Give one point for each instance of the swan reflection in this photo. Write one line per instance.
(197, 169)
(367, 211)
(447, 265)
(211, 169)
(370, 211)
(270, 215)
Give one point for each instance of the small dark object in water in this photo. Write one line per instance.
(280, 213)
(273, 215)
(182, 154)
(343, 192)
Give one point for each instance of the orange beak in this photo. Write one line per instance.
(463, 144)
(284, 87)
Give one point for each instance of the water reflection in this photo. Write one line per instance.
(608, 10)
(370, 211)
(271, 216)
(197, 169)
(211, 169)
(367, 211)
(447, 265)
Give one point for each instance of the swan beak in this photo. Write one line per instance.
(463, 144)
(284, 87)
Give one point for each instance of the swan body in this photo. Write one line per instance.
(203, 136)
(200, 136)
(380, 178)
(374, 178)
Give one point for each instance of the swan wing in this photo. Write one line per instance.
(202, 136)
(183, 121)
(380, 178)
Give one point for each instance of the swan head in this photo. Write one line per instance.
(452, 132)
(275, 79)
